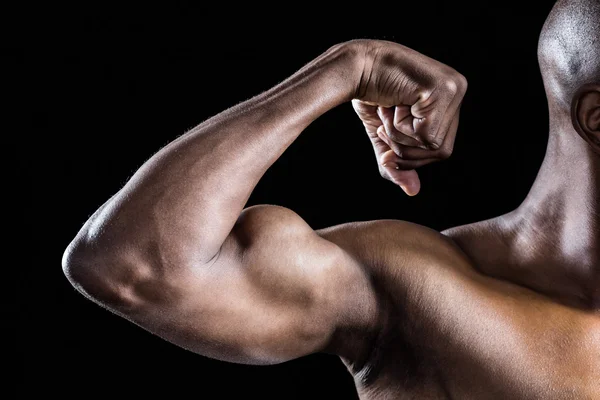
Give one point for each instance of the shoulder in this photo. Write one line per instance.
(396, 244)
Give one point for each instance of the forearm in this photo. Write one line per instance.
(187, 197)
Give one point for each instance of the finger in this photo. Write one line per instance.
(451, 115)
(387, 116)
(395, 146)
(450, 137)
(389, 162)
(384, 154)
(434, 113)
(404, 123)
(445, 141)
(428, 114)
(445, 150)
(397, 157)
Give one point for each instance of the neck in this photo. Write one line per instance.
(557, 227)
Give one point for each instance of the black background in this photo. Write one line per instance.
(99, 90)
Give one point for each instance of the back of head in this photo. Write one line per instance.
(569, 48)
(569, 57)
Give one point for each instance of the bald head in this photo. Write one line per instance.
(569, 49)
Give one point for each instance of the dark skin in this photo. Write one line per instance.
(413, 313)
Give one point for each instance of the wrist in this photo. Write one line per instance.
(345, 63)
(331, 79)
(359, 65)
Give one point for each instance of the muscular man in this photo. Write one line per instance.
(502, 309)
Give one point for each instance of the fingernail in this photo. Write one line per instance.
(408, 192)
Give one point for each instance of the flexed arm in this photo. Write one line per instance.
(174, 252)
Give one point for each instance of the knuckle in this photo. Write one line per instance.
(445, 153)
(395, 136)
(382, 173)
(455, 83)
(451, 85)
(431, 139)
(463, 84)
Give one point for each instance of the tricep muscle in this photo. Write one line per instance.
(276, 291)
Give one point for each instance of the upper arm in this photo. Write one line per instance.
(275, 291)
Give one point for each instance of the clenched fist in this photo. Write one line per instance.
(409, 105)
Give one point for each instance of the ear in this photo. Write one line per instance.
(585, 114)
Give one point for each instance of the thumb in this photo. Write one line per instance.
(407, 180)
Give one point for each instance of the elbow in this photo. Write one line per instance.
(122, 281)
(95, 276)
(79, 269)
(73, 263)
(109, 268)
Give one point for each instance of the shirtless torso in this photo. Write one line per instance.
(451, 331)
(501, 309)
